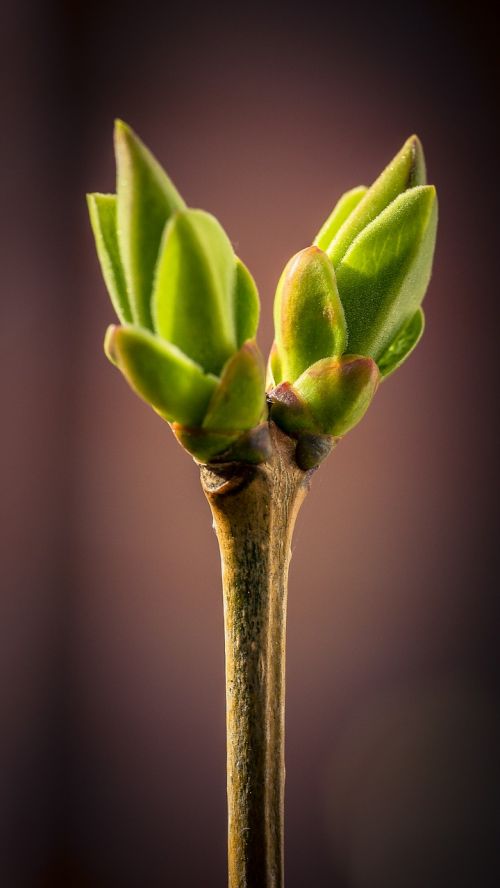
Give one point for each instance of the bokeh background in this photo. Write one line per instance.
(112, 729)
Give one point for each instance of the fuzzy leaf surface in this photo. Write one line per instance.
(246, 304)
(102, 212)
(338, 393)
(406, 170)
(161, 374)
(308, 315)
(146, 198)
(402, 346)
(384, 275)
(274, 371)
(239, 399)
(193, 295)
(341, 211)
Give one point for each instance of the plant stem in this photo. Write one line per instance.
(254, 510)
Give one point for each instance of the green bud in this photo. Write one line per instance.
(253, 446)
(308, 315)
(341, 211)
(189, 308)
(102, 212)
(238, 401)
(402, 345)
(338, 393)
(274, 371)
(383, 277)
(405, 171)
(246, 304)
(161, 374)
(108, 344)
(193, 294)
(146, 198)
(290, 411)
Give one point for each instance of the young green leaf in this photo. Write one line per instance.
(193, 292)
(341, 211)
(384, 275)
(405, 171)
(308, 315)
(274, 371)
(108, 344)
(239, 400)
(402, 345)
(338, 393)
(204, 445)
(146, 198)
(161, 374)
(290, 411)
(102, 212)
(246, 304)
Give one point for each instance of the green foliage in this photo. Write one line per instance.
(341, 211)
(308, 315)
(347, 310)
(274, 369)
(384, 274)
(338, 392)
(146, 199)
(102, 212)
(193, 292)
(329, 398)
(403, 344)
(246, 304)
(405, 171)
(238, 401)
(378, 248)
(189, 307)
(161, 374)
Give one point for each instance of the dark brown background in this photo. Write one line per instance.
(111, 679)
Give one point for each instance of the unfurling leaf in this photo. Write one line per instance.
(308, 315)
(274, 372)
(341, 211)
(290, 412)
(193, 294)
(161, 374)
(238, 401)
(402, 345)
(405, 171)
(383, 277)
(146, 198)
(338, 393)
(102, 212)
(246, 304)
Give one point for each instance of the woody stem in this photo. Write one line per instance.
(254, 510)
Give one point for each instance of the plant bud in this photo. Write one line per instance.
(238, 401)
(246, 304)
(402, 345)
(405, 171)
(383, 277)
(102, 212)
(308, 315)
(338, 392)
(146, 198)
(161, 374)
(193, 294)
(341, 211)
(274, 373)
(290, 411)
(253, 446)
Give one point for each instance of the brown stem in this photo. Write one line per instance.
(254, 510)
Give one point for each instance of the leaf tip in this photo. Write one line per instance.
(417, 173)
(110, 343)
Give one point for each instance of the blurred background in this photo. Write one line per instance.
(112, 735)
